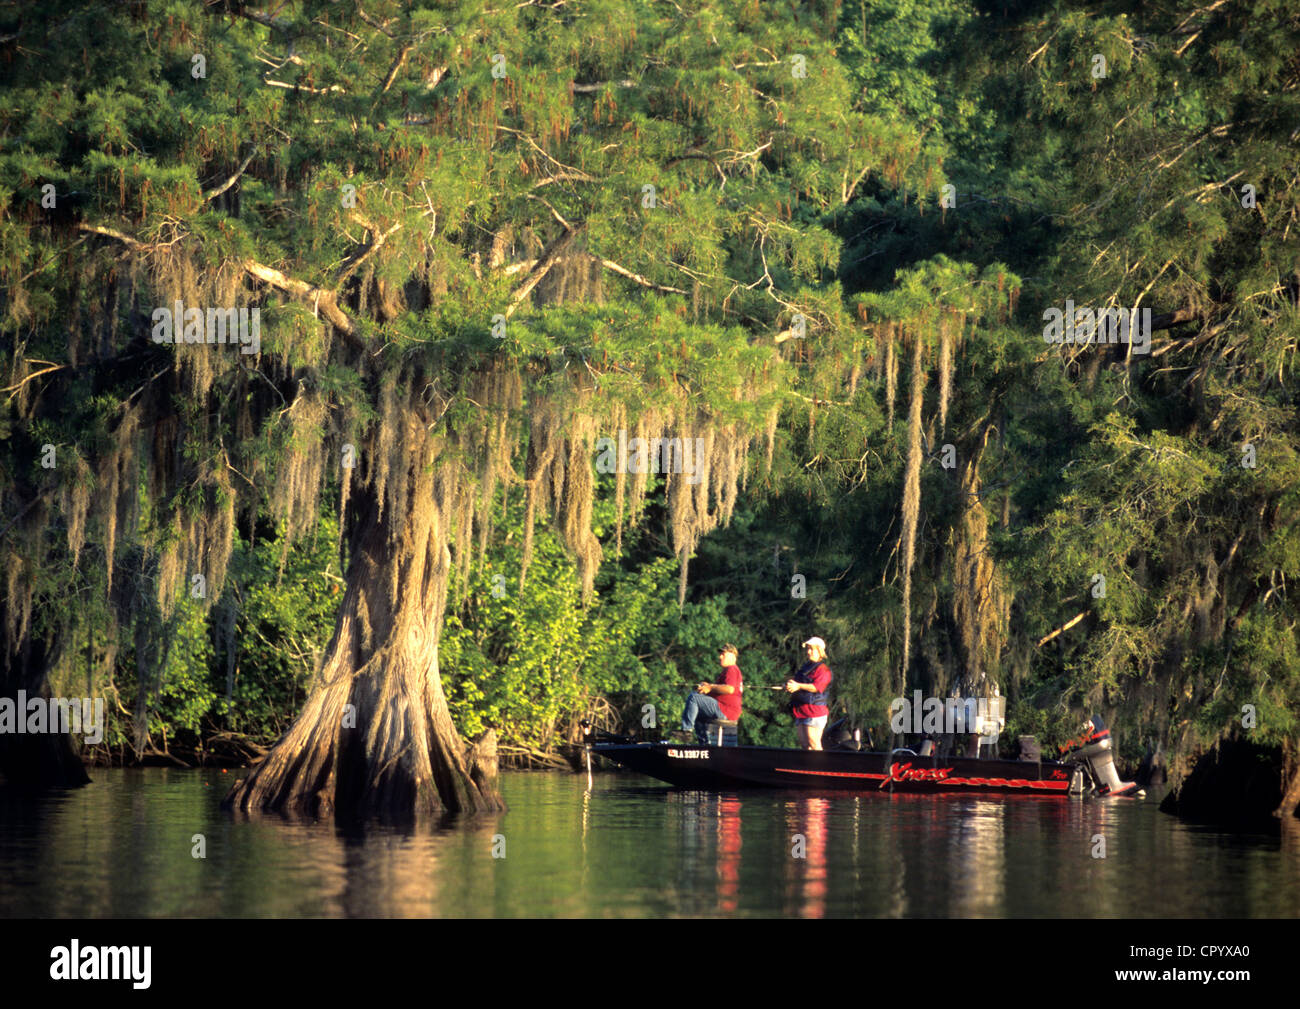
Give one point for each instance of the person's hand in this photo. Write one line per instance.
(791, 686)
(703, 688)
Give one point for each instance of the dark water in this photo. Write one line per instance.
(629, 847)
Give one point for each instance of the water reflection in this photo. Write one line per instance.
(729, 844)
(806, 818)
(623, 847)
(976, 864)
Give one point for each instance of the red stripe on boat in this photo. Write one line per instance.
(1004, 783)
(975, 782)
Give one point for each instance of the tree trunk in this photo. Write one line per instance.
(375, 738)
(1291, 797)
(33, 760)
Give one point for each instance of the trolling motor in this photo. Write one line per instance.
(593, 734)
(1094, 763)
(840, 736)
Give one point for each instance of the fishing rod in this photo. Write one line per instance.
(762, 686)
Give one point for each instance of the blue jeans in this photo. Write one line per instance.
(699, 711)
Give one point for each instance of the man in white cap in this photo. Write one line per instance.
(810, 683)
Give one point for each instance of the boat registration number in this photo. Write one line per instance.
(688, 754)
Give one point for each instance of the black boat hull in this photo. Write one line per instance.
(727, 768)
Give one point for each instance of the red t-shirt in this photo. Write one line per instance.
(821, 679)
(730, 703)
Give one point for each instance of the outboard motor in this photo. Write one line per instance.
(1094, 753)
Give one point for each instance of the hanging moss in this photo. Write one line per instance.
(946, 338)
(911, 498)
(891, 373)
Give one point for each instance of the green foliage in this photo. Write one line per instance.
(186, 692)
(286, 603)
(532, 662)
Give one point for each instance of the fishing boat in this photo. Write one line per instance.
(1087, 770)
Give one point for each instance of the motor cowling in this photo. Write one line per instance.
(1100, 761)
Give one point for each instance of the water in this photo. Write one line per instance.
(630, 847)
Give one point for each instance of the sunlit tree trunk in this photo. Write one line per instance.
(375, 737)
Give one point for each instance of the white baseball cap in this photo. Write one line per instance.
(818, 642)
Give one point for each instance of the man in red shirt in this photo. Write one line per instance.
(712, 701)
(811, 682)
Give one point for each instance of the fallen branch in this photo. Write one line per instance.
(153, 751)
(513, 755)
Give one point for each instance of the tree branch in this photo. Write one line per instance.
(379, 26)
(323, 302)
(305, 89)
(586, 89)
(216, 191)
(262, 18)
(1176, 318)
(125, 239)
(566, 177)
(13, 389)
(1062, 629)
(699, 156)
(550, 255)
(609, 264)
(847, 194)
(377, 239)
(394, 70)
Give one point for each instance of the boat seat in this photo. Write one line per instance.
(722, 731)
